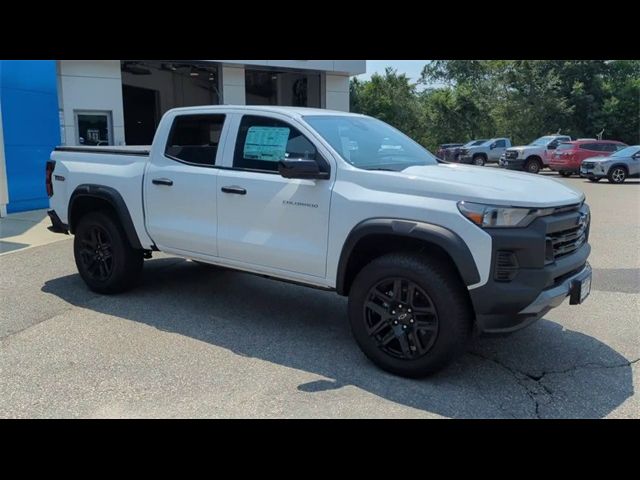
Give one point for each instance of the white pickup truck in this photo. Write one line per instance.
(533, 157)
(428, 252)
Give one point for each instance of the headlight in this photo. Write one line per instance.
(488, 216)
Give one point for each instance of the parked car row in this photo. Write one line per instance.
(588, 157)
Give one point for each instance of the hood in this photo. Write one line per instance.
(479, 184)
(598, 159)
(523, 147)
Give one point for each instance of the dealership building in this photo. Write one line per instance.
(44, 103)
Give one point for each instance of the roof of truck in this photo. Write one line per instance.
(290, 111)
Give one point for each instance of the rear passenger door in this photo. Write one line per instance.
(180, 186)
(267, 222)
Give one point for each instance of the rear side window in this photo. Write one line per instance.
(262, 142)
(591, 146)
(195, 138)
(611, 147)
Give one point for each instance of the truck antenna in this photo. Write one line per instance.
(600, 134)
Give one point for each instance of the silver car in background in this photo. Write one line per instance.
(617, 167)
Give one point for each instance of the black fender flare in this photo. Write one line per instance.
(113, 197)
(446, 239)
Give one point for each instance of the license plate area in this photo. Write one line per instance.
(580, 290)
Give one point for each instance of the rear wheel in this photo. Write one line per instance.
(617, 175)
(106, 261)
(409, 314)
(533, 165)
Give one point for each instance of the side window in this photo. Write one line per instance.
(501, 144)
(610, 147)
(195, 138)
(590, 146)
(262, 142)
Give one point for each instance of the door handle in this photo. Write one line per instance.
(162, 181)
(234, 189)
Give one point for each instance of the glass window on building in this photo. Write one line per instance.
(94, 128)
(150, 88)
(296, 89)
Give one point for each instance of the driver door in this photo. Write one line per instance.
(265, 220)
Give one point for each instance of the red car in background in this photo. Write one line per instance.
(566, 159)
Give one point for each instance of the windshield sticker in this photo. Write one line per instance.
(266, 143)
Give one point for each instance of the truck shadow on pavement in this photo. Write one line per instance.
(544, 371)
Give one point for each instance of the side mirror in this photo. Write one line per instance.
(492, 146)
(636, 156)
(301, 168)
(552, 146)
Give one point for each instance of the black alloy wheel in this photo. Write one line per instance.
(96, 253)
(401, 318)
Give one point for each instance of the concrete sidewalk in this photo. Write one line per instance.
(26, 229)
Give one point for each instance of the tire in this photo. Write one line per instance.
(479, 160)
(564, 173)
(594, 179)
(105, 260)
(617, 175)
(533, 165)
(440, 304)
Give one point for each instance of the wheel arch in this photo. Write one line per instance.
(375, 237)
(616, 165)
(91, 197)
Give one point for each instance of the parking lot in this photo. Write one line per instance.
(192, 341)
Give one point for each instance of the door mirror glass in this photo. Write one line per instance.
(300, 168)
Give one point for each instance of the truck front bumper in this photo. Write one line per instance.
(468, 159)
(535, 280)
(512, 164)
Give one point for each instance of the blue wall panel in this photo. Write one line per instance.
(31, 128)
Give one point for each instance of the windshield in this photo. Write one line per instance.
(542, 141)
(370, 144)
(627, 152)
(475, 143)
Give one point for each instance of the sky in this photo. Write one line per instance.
(411, 67)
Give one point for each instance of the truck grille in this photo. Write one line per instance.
(566, 241)
(511, 154)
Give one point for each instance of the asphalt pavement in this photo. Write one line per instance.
(193, 341)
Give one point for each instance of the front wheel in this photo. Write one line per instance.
(479, 160)
(564, 173)
(533, 166)
(106, 261)
(410, 314)
(617, 175)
